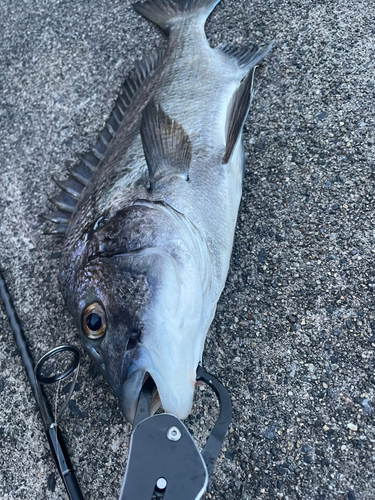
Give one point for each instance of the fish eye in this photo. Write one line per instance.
(93, 321)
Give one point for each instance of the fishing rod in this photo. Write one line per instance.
(164, 462)
(37, 381)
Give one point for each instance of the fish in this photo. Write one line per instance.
(148, 215)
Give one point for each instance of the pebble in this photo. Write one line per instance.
(352, 427)
(269, 432)
(51, 482)
(79, 429)
(292, 369)
(365, 403)
(74, 409)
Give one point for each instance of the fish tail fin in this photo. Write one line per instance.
(166, 13)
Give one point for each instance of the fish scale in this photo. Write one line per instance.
(149, 213)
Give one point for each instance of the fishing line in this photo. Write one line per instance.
(56, 398)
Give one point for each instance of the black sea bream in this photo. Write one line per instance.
(149, 214)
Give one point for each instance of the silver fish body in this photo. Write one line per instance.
(148, 242)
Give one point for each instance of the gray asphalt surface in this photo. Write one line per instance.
(294, 334)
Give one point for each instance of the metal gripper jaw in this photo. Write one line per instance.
(164, 461)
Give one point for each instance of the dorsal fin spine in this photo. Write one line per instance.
(81, 173)
(110, 130)
(89, 164)
(118, 111)
(97, 153)
(124, 99)
(105, 142)
(74, 191)
(60, 230)
(131, 86)
(58, 217)
(116, 117)
(121, 107)
(64, 202)
(78, 178)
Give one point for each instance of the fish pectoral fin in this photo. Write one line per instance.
(246, 57)
(237, 113)
(166, 145)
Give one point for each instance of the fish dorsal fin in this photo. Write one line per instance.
(237, 114)
(81, 173)
(247, 57)
(166, 145)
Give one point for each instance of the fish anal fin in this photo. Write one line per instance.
(246, 57)
(237, 114)
(166, 145)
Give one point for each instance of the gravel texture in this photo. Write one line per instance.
(294, 335)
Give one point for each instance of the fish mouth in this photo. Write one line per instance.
(134, 374)
(131, 390)
(174, 387)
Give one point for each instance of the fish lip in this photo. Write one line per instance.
(130, 392)
(132, 361)
(134, 374)
(136, 364)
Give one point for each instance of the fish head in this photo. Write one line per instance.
(133, 320)
(108, 301)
